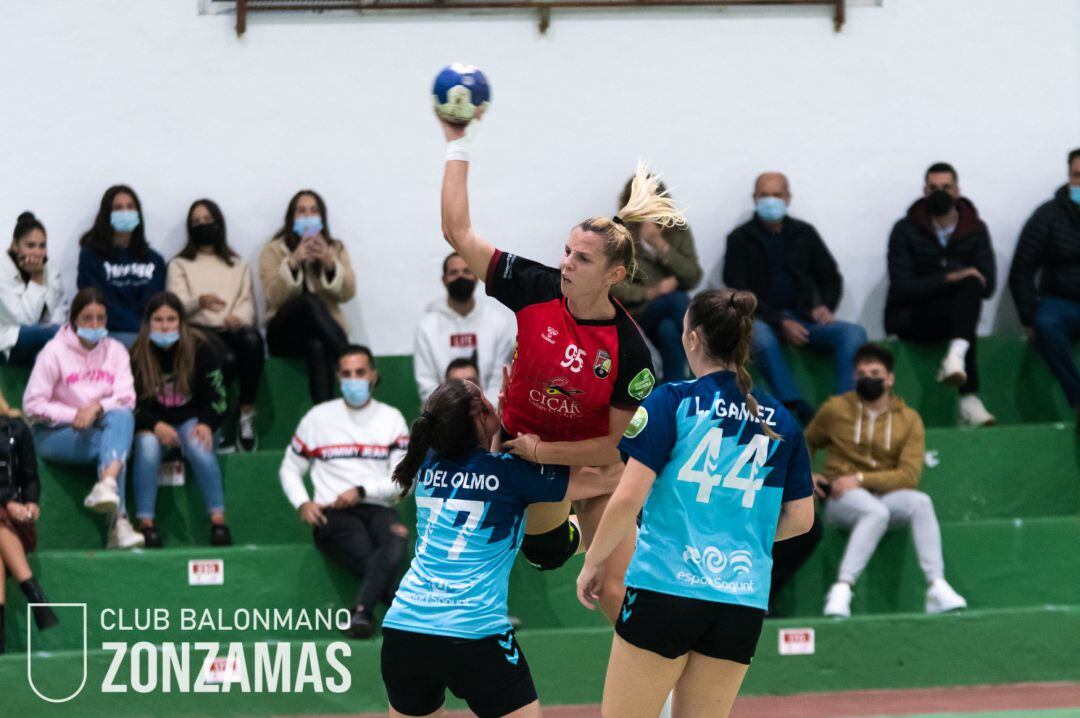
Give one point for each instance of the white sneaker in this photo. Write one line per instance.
(941, 598)
(838, 602)
(103, 498)
(952, 371)
(973, 413)
(122, 535)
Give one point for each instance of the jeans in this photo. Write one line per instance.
(107, 441)
(125, 338)
(1057, 321)
(843, 338)
(147, 461)
(870, 516)
(662, 322)
(303, 327)
(952, 315)
(32, 337)
(368, 541)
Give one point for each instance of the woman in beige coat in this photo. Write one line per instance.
(306, 276)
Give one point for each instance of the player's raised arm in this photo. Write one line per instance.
(456, 223)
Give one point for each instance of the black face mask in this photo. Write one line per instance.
(870, 388)
(939, 203)
(205, 235)
(461, 289)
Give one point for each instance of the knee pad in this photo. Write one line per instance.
(549, 551)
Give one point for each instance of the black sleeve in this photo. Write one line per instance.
(30, 492)
(984, 261)
(147, 409)
(1029, 257)
(518, 282)
(208, 387)
(636, 378)
(905, 282)
(826, 275)
(737, 276)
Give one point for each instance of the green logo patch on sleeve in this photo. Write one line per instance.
(638, 423)
(642, 384)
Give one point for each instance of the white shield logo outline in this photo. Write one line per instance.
(30, 652)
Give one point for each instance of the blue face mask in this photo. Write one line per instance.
(92, 335)
(164, 339)
(124, 220)
(771, 209)
(356, 391)
(1074, 193)
(307, 226)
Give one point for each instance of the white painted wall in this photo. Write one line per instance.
(153, 94)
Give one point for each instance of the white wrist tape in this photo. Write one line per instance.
(459, 149)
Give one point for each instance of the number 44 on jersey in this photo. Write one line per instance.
(704, 469)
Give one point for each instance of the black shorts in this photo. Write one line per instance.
(490, 673)
(672, 626)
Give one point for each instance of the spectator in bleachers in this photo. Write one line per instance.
(463, 370)
(180, 402)
(941, 268)
(306, 276)
(656, 295)
(1050, 247)
(20, 492)
(215, 287)
(459, 327)
(351, 446)
(784, 262)
(116, 259)
(31, 294)
(875, 448)
(79, 401)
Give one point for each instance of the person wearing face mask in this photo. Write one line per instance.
(115, 258)
(785, 263)
(941, 269)
(215, 287)
(875, 445)
(181, 402)
(351, 446)
(1049, 246)
(657, 294)
(306, 276)
(32, 304)
(79, 403)
(460, 327)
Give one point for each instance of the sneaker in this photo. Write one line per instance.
(838, 602)
(941, 598)
(246, 438)
(973, 413)
(361, 626)
(103, 498)
(220, 535)
(121, 535)
(952, 371)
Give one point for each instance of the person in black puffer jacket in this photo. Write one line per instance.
(941, 268)
(1050, 246)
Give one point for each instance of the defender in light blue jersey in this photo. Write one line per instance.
(718, 473)
(447, 627)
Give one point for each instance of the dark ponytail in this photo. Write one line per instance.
(725, 318)
(446, 425)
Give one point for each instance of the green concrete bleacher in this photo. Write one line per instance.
(1008, 499)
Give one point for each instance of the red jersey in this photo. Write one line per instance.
(567, 373)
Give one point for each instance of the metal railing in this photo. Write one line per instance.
(542, 7)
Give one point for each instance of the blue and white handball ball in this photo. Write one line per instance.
(460, 92)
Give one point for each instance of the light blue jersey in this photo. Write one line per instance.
(470, 518)
(708, 524)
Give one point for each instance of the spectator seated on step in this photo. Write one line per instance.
(1049, 249)
(786, 264)
(180, 392)
(79, 403)
(32, 304)
(875, 445)
(941, 269)
(458, 326)
(350, 446)
(657, 294)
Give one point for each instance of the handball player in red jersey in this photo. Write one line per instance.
(581, 367)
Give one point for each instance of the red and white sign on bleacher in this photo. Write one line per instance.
(796, 641)
(206, 572)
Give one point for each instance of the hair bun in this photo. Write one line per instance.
(744, 302)
(26, 216)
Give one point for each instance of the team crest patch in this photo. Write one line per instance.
(638, 423)
(642, 384)
(602, 364)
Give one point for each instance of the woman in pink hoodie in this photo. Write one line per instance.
(79, 401)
